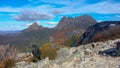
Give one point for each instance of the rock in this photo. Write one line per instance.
(73, 50)
(23, 56)
(109, 52)
(62, 53)
(91, 33)
(118, 48)
(36, 52)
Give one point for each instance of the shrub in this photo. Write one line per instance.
(50, 50)
(47, 51)
(73, 39)
(70, 41)
(2, 64)
(7, 56)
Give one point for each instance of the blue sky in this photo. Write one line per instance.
(19, 14)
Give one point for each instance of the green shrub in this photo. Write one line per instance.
(48, 51)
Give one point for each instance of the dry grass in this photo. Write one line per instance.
(7, 56)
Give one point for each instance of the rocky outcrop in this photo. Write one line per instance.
(100, 31)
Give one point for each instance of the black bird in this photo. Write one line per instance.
(36, 52)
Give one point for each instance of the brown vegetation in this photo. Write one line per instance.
(60, 37)
(7, 56)
(111, 33)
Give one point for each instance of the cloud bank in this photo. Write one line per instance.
(30, 16)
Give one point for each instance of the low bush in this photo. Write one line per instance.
(48, 51)
(7, 56)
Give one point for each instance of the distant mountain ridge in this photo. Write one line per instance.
(66, 28)
(9, 32)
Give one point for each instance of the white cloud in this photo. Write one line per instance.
(52, 23)
(29, 24)
(99, 20)
(57, 11)
(74, 6)
(104, 7)
(48, 11)
(31, 16)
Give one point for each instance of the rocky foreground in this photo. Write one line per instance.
(84, 56)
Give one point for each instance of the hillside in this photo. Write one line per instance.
(78, 57)
(100, 32)
(34, 34)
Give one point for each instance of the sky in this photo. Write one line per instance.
(19, 14)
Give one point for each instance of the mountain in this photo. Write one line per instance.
(100, 32)
(83, 22)
(69, 27)
(36, 34)
(34, 26)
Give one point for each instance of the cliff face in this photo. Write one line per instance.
(85, 56)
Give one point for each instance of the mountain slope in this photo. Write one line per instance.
(34, 34)
(85, 56)
(100, 32)
(69, 27)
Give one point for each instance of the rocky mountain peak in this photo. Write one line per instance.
(34, 26)
(83, 21)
